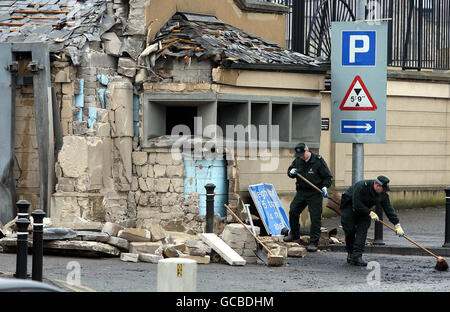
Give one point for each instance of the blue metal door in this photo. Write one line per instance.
(204, 171)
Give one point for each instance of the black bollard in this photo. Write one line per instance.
(22, 248)
(38, 249)
(378, 235)
(447, 217)
(209, 208)
(22, 208)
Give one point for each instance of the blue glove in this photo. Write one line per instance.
(293, 172)
(325, 192)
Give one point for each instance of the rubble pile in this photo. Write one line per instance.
(155, 243)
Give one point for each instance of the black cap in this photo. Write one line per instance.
(300, 149)
(384, 182)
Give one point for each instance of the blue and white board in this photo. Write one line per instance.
(269, 208)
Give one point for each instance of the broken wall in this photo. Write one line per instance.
(103, 172)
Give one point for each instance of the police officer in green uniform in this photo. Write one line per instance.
(356, 214)
(314, 168)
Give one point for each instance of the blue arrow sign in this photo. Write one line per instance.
(358, 126)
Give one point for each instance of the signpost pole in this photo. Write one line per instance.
(358, 148)
(358, 153)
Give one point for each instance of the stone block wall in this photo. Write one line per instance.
(157, 192)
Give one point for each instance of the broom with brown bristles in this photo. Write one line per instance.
(272, 259)
(441, 264)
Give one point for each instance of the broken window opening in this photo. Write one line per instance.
(180, 115)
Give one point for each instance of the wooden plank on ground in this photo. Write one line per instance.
(225, 251)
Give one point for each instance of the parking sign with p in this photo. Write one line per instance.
(358, 48)
(358, 82)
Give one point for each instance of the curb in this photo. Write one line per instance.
(392, 250)
(68, 287)
(64, 286)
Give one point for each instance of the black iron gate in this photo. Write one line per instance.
(418, 30)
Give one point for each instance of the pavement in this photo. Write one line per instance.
(426, 226)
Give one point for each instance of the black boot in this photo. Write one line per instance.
(359, 261)
(291, 237)
(349, 258)
(311, 248)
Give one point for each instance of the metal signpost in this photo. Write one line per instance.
(358, 89)
(358, 86)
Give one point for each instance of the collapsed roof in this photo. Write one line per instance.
(205, 36)
(66, 25)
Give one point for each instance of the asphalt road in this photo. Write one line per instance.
(317, 272)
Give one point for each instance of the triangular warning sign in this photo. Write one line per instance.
(357, 97)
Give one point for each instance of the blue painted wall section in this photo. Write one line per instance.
(92, 116)
(101, 97)
(101, 92)
(201, 172)
(136, 114)
(79, 100)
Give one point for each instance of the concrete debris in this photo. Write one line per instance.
(151, 258)
(197, 248)
(93, 236)
(136, 244)
(133, 46)
(157, 231)
(324, 237)
(120, 243)
(171, 252)
(9, 244)
(304, 239)
(112, 228)
(59, 234)
(11, 228)
(126, 67)
(129, 257)
(135, 235)
(81, 248)
(334, 240)
(241, 241)
(223, 249)
(111, 43)
(297, 252)
(199, 259)
(143, 247)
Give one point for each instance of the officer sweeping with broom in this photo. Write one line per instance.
(314, 169)
(356, 214)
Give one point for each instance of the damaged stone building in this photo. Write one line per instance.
(98, 88)
(103, 89)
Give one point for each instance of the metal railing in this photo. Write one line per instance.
(418, 30)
